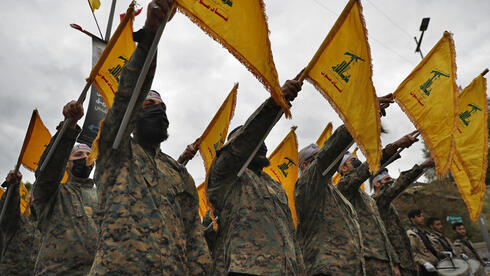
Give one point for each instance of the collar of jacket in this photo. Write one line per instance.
(80, 182)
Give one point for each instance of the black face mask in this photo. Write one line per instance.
(80, 169)
(355, 163)
(152, 125)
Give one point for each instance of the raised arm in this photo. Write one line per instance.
(157, 11)
(353, 181)
(389, 193)
(232, 156)
(48, 181)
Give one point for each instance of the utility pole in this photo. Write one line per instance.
(423, 28)
(109, 23)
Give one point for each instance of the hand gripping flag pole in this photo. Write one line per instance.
(137, 89)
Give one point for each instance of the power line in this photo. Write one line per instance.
(379, 42)
(391, 20)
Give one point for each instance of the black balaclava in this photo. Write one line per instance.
(152, 125)
(80, 168)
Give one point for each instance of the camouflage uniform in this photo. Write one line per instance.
(422, 249)
(440, 243)
(328, 227)
(148, 220)
(389, 215)
(256, 232)
(64, 213)
(462, 245)
(378, 251)
(20, 237)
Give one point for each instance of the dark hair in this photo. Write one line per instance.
(431, 220)
(456, 224)
(414, 212)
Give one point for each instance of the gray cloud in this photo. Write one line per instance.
(44, 63)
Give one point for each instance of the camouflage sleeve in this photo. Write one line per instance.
(129, 77)
(12, 212)
(233, 155)
(308, 191)
(197, 249)
(47, 182)
(352, 182)
(334, 146)
(388, 194)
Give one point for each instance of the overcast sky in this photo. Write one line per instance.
(44, 63)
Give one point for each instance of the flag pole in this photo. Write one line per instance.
(338, 158)
(484, 72)
(109, 23)
(95, 18)
(252, 155)
(19, 162)
(141, 78)
(327, 39)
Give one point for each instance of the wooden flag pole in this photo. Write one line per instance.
(141, 78)
(484, 72)
(19, 162)
(327, 39)
(338, 158)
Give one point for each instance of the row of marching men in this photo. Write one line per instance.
(142, 216)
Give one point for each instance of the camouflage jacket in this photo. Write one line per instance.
(20, 239)
(462, 245)
(64, 213)
(148, 204)
(256, 232)
(328, 227)
(375, 239)
(391, 219)
(421, 246)
(440, 243)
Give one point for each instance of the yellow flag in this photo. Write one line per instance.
(284, 167)
(94, 4)
(1, 192)
(241, 27)
(342, 71)
(215, 134)
(470, 161)
(212, 140)
(37, 139)
(35, 142)
(202, 200)
(429, 97)
(119, 49)
(327, 132)
(24, 200)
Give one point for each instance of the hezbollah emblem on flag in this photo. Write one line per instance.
(425, 88)
(339, 75)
